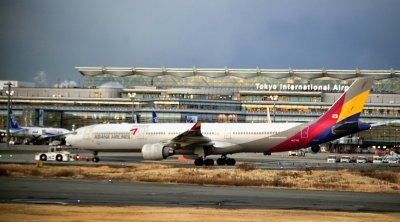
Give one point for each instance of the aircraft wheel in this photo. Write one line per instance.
(209, 162)
(43, 157)
(221, 161)
(199, 162)
(59, 158)
(96, 159)
(230, 162)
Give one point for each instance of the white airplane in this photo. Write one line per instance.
(34, 133)
(159, 141)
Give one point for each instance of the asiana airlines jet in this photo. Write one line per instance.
(161, 140)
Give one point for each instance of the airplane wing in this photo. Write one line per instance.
(12, 131)
(50, 133)
(190, 139)
(18, 130)
(45, 136)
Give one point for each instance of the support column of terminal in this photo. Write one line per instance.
(8, 92)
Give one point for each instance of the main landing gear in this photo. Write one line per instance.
(200, 162)
(226, 161)
(95, 157)
(210, 162)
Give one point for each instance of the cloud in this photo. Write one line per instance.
(40, 79)
(66, 84)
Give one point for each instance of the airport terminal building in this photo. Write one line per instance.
(123, 94)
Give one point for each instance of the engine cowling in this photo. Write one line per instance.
(156, 151)
(314, 149)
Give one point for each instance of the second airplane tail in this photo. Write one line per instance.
(154, 117)
(13, 122)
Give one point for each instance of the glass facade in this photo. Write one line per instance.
(84, 112)
(391, 85)
(389, 133)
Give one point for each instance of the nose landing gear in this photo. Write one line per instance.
(95, 158)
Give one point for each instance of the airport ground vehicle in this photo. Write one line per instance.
(361, 159)
(331, 159)
(297, 153)
(345, 159)
(377, 159)
(56, 153)
(392, 160)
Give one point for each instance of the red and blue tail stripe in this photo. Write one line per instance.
(340, 120)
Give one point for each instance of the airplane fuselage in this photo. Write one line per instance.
(38, 132)
(232, 137)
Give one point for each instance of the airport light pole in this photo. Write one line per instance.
(274, 98)
(9, 94)
(132, 97)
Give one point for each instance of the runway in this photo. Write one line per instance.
(88, 192)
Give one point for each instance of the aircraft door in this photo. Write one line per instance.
(228, 134)
(304, 132)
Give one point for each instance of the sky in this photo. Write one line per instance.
(43, 41)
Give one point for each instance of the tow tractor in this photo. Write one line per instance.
(56, 153)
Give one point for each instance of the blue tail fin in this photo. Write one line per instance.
(155, 118)
(13, 122)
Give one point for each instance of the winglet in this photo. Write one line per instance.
(196, 127)
(194, 131)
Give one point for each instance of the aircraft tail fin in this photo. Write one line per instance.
(13, 122)
(154, 117)
(349, 106)
(343, 117)
(340, 120)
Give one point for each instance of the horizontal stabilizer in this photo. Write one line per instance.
(347, 128)
(344, 128)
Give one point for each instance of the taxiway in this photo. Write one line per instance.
(109, 193)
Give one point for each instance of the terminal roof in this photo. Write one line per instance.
(241, 73)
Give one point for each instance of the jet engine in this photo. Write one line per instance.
(314, 149)
(156, 151)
